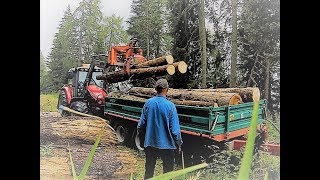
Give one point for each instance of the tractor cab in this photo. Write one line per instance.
(77, 76)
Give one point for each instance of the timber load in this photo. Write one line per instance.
(154, 67)
(196, 97)
(190, 97)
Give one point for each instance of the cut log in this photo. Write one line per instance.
(156, 62)
(246, 93)
(141, 73)
(222, 99)
(181, 66)
(171, 69)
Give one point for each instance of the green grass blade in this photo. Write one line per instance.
(74, 174)
(177, 173)
(91, 154)
(248, 152)
(131, 176)
(266, 176)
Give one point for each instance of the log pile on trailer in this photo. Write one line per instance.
(191, 97)
(195, 97)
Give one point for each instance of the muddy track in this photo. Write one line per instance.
(108, 162)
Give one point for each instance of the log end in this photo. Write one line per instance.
(171, 69)
(235, 99)
(256, 94)
(182, 67)
(169, 59)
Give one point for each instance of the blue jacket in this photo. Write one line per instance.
(160, 119)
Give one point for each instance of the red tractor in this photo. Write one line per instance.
(84, 93)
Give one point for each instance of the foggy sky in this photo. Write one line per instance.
(51, 13)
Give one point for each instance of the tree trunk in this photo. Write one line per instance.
(147, 24)
(156, 62)
(252, 69)
(233, 74)
(202, 34)
(141, 73)
(222, 99)
(267, 80)
(246, 94)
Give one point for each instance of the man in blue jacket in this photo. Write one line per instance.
(160, 124)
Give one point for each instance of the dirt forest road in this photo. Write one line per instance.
(109, 162)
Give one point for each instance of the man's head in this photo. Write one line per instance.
(162, 86)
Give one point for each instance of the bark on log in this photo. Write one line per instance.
(83, 128)
(127, 97)
(246, 93)
(145, 91)
(191, 103)
(156, 62)
(141, 73)
(222, 99)
(143, 98)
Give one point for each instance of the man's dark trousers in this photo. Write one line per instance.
(166, 155)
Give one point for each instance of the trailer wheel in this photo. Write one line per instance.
(136, 141)
(122, 134)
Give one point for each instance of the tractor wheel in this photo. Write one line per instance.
(122, 133)
(62, 100)
(137, 142)
(80, 107)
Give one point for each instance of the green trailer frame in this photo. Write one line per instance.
(220, 123)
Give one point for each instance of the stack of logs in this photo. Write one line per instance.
(192, 97)
(155, 67)
(196, 97)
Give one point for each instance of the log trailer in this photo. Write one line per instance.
(200, 126)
